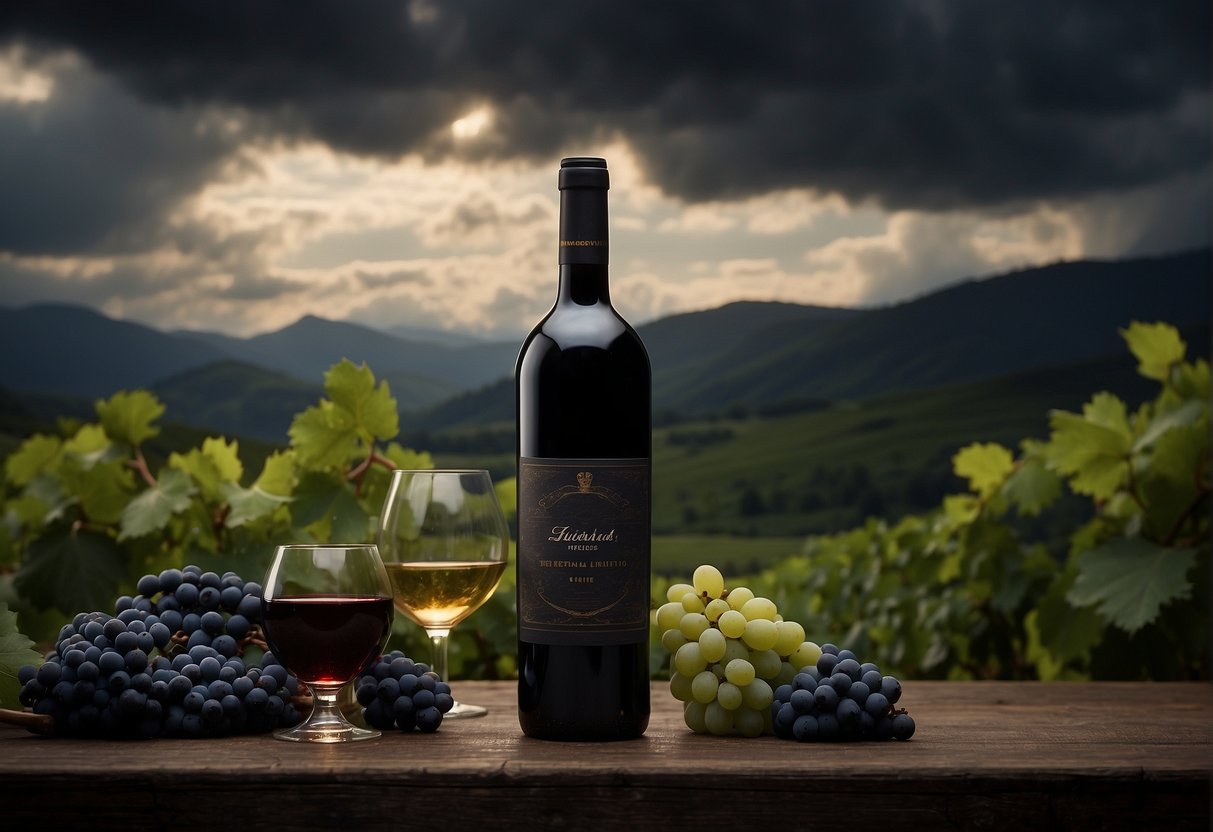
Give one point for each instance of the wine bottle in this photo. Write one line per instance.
(584, 415)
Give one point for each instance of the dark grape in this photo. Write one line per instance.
(845, 700)
(397, 692)
(166, 665)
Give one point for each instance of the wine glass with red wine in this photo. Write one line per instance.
(327, 613)
(445, 544)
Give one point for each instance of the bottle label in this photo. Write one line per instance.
(583, 550)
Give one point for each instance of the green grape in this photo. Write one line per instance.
(729, 696)
(717, 670)
(757, 695)
(704, 685)
(787, 673)
(734, 649)
(806, 655)
(693, 624)
(732, 624)
(750, 723)
(676, 591)
(668, 615)
(759, 607)
(760, 634)
(716, 608)
(791, 635)
(688, 660)
(671, 640)
(692, 715)
(738, 595)
(767, 663)
(692, 602)
(712, 645)
(717, 720)
(739, 671)
(680, 687)
(708, 579)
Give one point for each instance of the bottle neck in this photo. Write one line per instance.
(584, 284)
(583, 246)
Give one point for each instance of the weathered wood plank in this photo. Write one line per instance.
(986, 756)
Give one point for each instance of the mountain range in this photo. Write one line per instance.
(754, 354)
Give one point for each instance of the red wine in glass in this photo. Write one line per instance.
(327, 639)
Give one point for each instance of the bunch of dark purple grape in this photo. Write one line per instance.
(397, 692)
(840, 699)
(170, 662)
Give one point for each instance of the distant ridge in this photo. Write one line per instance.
(750, 354)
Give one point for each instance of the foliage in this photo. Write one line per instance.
(963, 592)
(85, 516)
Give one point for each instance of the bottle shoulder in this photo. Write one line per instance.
(582, 327)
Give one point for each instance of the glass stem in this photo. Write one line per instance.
(325, 709)
(438, 644)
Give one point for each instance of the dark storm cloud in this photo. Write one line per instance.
(935, 104)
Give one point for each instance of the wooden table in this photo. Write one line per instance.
(987, 755)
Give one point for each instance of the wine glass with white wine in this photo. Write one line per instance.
(445, 543)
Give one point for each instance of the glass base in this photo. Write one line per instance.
(304, 733)
(326, 724)
(461, 711)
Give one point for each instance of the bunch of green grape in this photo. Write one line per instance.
(730, 650)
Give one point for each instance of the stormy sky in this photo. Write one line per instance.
(234, 166)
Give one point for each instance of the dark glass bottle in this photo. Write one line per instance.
(584, 445)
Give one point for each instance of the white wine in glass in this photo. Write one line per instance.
(445, 544)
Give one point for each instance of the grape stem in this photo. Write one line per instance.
(38, 723)
(139, 463)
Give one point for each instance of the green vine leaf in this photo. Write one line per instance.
(33, 456)
(151, 510)
(328, 509)
(78, 572)
(249, 504)
(1092, 449)
(103, 489)
(212, 466)
(324, 436)
(352, 387)
(984, 465)
(1032, 487)
(127, 417)
(1130, 579)
(15, 651)
(278, 474)
(1157, 347)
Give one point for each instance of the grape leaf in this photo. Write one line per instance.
(1032, 487)
(15, 650)
(373, 409)
(151, 510)
(79, 572)
(984, 465)
(323, 503)
(1128, 580)
(127, 416)
(1169, 484)
(1092, 449)
(1157, 347)
(1189, 413)
(1067, 631)
(407, 458)
(278, 474)
(1192, 380)
(324, 436)
(34, 455)
(103, 489)
(249, 504)
(88, 442)
(211, 466)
